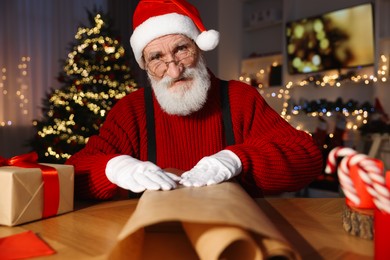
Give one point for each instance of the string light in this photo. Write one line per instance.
(383, 68)
(21, 92)
(354, 118)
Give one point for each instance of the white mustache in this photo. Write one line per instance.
(167, 80)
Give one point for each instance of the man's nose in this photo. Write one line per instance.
(174, 69)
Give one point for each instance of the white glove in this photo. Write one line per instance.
(138, 176)
(213, 169)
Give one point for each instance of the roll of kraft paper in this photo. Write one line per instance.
(213, 222)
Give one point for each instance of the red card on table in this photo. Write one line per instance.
(23, 245)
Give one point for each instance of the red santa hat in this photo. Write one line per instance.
(156, 18)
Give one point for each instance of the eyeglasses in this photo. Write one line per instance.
(183, 55)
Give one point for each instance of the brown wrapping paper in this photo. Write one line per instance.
(21, 193)
(214, 222)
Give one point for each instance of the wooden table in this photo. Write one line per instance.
(312, 226)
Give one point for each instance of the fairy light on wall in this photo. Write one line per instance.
(20, 94)
(354, 118)
(3, 96)
(383, 68)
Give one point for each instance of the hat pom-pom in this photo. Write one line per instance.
(208, 40)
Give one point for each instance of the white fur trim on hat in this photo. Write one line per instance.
(159, 26)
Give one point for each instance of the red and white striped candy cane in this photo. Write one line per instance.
(339, 151)
(346, 182)
(343, 172)
(366, 167)
(382, 196)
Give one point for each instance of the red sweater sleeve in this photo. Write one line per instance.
(275, 156)
(120, 134)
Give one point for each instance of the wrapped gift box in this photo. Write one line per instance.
(22, 193)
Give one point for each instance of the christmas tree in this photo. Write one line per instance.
(95, 76)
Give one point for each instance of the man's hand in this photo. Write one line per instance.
(213, 169)
(138, 176)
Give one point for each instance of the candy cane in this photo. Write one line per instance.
(375, 182)
(382, 197)
(366, 168)
(346, 182)
(368, 171)
(332, 157)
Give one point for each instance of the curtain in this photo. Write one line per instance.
(34, 36)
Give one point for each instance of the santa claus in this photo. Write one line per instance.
(207, 129)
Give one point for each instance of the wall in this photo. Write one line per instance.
(230, 27)
(230, 47)
(209, 14)
(382, 11)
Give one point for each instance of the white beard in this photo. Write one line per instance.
(188, 97)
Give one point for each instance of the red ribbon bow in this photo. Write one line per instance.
(51, 185)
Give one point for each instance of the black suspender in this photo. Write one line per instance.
(151, 134)
(151, 130)
(226, 116)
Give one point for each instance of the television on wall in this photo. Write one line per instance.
(339, 39)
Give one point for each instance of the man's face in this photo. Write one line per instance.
(177, 73)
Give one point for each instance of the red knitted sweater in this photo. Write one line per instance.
(275, 156)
